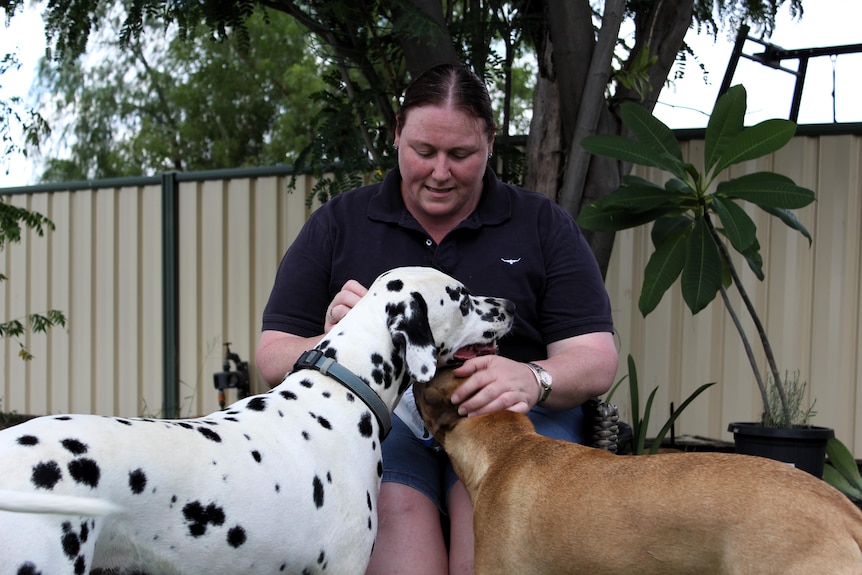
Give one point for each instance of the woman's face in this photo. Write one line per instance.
(442, 154)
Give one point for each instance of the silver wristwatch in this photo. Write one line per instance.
(544, 379)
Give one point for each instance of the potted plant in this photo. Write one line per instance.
(697, 220)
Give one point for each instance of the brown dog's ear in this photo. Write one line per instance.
(437, 410)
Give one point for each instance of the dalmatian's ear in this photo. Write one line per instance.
(412, 336)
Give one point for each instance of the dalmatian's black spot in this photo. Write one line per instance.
(234, 419)
(85, 470)
(368, 501)
(324, 423)
(397, 362)
(74, 446)
(379, 468)
(395, 285)
(350, 397)
(236, 536)
(257, 404)
(63, 418)
(305, 435)
(46, 474)
(288, 395)
(331, 353)
(306, 383)
(209, 434)
(365, 427)
(123, 421)
(277, 488)
(85, 532)
(247, 436)
(326, 394)
(185, 425)
(455, 292)
(317, 486)
(255, 454)
(28, 569)
(137, 481)
(71, 542)
(199, 517)
(28, 440)
(466, 306)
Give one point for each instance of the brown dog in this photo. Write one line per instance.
(549, 506)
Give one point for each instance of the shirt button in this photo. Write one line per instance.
(429, 242)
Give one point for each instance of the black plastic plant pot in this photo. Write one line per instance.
(803, 447)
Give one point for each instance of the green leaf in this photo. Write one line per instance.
(601, 218)
(644, 424)
(767, 189)
(843, 461)
(664, 266)
(678, 186)
(633, 151)
(701, 276)
(789, 218)
(738, 226)
(650, 130)
(667, 226)
(676, 413)
(634, 396)
(725, 122)
(756, 141)
(639, 198)
(754, 261)
(834, 478)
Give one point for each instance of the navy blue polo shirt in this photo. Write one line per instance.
(516, 244)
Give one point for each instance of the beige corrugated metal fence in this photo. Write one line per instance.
(102, 266)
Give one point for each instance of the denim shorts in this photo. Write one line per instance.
(408, 461)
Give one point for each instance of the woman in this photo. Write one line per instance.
(443, 207)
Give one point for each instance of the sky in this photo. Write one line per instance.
(686, 104)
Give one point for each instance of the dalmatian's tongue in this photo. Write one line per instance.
(475, 350)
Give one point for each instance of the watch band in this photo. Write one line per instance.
(544, 387)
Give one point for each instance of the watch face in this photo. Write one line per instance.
(546, 377)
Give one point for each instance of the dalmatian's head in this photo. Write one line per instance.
(431, 319)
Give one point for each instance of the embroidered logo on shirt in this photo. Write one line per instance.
(510, 262)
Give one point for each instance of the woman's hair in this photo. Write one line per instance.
(449, 84)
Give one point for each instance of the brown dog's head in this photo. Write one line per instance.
(434, 401)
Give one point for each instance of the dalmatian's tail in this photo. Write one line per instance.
(30, 502)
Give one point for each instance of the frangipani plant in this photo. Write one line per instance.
(694, 220)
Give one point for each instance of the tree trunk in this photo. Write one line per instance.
(434, 46)
(544, 154)
(561, 102)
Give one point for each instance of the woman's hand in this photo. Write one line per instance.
(343, 302)
(495, 383)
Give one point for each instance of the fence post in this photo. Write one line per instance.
(170, 295)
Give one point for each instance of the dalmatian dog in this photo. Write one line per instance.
(281, 482)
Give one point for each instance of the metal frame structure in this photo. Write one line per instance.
(773, 56)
